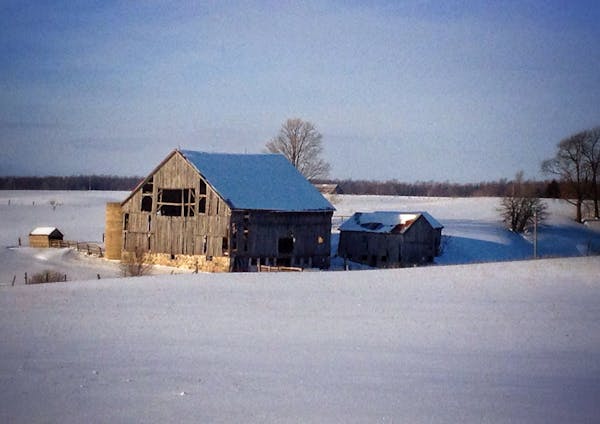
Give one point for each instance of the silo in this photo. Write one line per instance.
(113, 231)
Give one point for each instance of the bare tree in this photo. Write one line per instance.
(591, 155)
(521, 208)
(569, 164)
(300, 142)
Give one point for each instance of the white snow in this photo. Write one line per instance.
(384, 221)
(497, 342)
(42, 231)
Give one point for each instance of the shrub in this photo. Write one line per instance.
(47, 276)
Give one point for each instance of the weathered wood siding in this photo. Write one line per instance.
(152, 231)
(417, 245)
(39, 241)
(256, 236)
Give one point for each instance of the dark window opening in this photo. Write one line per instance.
(225, 244)
(126, 221)
(146, 203)
(245, 237)
(202, 187)
(169, 210)
(176, 202)
(233, 237)
(188, 210)
(171, 196)
(147, 188)
(202, 205)
(286, 245)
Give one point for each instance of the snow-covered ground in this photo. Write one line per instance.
(472, 233)
(503, 342)
(496, 342)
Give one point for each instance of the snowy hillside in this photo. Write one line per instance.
(499, 342)
(472, 231)
(509, 342)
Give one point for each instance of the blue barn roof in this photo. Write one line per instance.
(258, 181)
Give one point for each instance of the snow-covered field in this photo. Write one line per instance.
(496, 342)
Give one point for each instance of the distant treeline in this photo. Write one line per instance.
(500, 188)
(75, 182)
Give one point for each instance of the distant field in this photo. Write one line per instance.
(472, 233)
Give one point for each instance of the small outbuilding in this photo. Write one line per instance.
(44, 236)
(390, 239)
(329, 189)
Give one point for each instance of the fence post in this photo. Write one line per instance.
(26, 282)
(13, 281)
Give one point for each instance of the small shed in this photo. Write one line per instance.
(44, 236)
(329, 189)
(390, 239)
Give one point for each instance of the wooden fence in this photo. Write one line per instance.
(267, 268)
(89, 248)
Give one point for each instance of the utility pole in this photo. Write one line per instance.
(535, 233)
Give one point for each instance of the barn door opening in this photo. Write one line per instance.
(286, 245)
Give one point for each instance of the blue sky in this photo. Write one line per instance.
(462, 91)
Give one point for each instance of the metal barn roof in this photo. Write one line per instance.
(386, 221)
(258, 181)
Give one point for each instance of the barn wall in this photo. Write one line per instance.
(39, 241)
(374, 249)
(419, 243)
(257, 235)
(150, 231)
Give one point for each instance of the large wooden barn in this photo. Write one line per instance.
(222, 212)
(390, 239)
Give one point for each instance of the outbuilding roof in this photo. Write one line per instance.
(45, 231)
(386, 221)
(258, 181)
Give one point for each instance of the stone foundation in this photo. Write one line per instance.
(193, 262)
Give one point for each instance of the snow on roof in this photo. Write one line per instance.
(258, 181)
(43, 231)
(385, 221)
